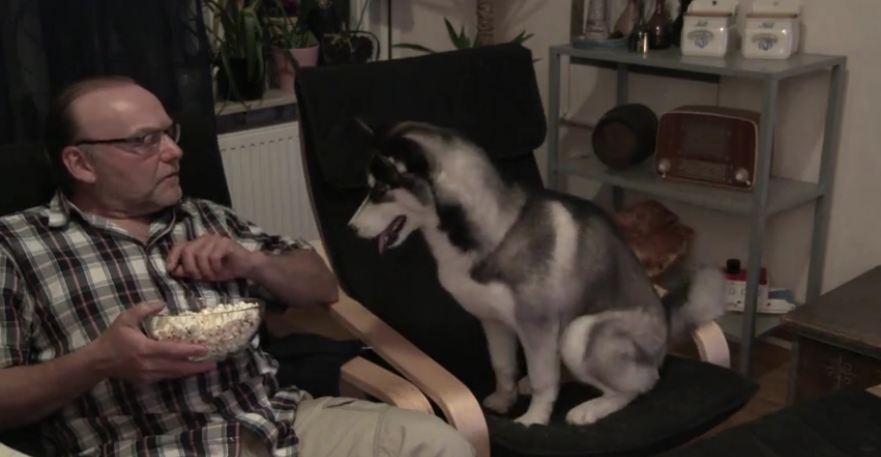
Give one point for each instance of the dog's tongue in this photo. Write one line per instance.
(383, 241)
(390, 234)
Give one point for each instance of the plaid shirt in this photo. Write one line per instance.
(64, 278)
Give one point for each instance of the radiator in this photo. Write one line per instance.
(266, 183)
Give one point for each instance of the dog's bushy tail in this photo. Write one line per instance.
(699, 301)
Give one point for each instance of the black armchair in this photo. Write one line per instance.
(489, 94)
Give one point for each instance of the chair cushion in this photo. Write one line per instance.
(675, 411)
(847, 423)
(483, 93)
(310, 362)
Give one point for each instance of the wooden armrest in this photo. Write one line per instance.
(712, 345)
(458, 404)
(384, 385)
(6, 451)
(875, 390)
(455, 400)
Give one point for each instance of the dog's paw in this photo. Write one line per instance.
(584, 414)
(500, 401)
(596, 409)
(531, 419)
(524, 387)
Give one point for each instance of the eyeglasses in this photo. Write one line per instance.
(145, 145)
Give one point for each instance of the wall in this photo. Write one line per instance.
(847, 27)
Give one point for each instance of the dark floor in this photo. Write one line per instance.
(770, 368)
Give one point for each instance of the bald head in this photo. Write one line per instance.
(62, 125)
(115, 111)
(87, 109)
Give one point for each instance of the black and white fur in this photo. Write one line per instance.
(543, 268)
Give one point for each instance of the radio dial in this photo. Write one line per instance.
(664, 166)
(742, 176)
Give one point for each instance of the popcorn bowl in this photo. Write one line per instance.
(224, 327)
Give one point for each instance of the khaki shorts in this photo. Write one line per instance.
(345, 427)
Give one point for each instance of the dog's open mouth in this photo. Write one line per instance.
(390, 234)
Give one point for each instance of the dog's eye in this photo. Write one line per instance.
(378, 191)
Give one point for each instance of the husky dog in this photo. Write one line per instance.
(543, 268)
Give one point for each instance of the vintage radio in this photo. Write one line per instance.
(710, 145)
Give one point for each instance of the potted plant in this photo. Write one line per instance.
(460, 39)
(293, 46)
(347, 45)
(238, 43)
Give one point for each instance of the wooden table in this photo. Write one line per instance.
(838, 339)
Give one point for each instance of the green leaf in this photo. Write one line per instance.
(458, 39)
(522, 37)
(253, 48)
(413, 47)
(464, 42)
(454, 37)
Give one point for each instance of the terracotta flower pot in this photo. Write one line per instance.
(284, 67)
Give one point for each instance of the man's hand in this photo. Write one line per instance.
(296, 278)
(212, 258)
(124, 352)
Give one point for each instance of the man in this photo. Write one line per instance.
(79, 276)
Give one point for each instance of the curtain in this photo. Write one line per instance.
(47, 44)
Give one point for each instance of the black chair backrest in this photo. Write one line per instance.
(26, 176)
(489, 94)
(201, 168)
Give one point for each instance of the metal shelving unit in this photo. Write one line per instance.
(771, 194)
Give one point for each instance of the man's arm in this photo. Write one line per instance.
(298, 277)
(33, 392)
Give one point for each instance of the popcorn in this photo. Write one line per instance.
(224, 328)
